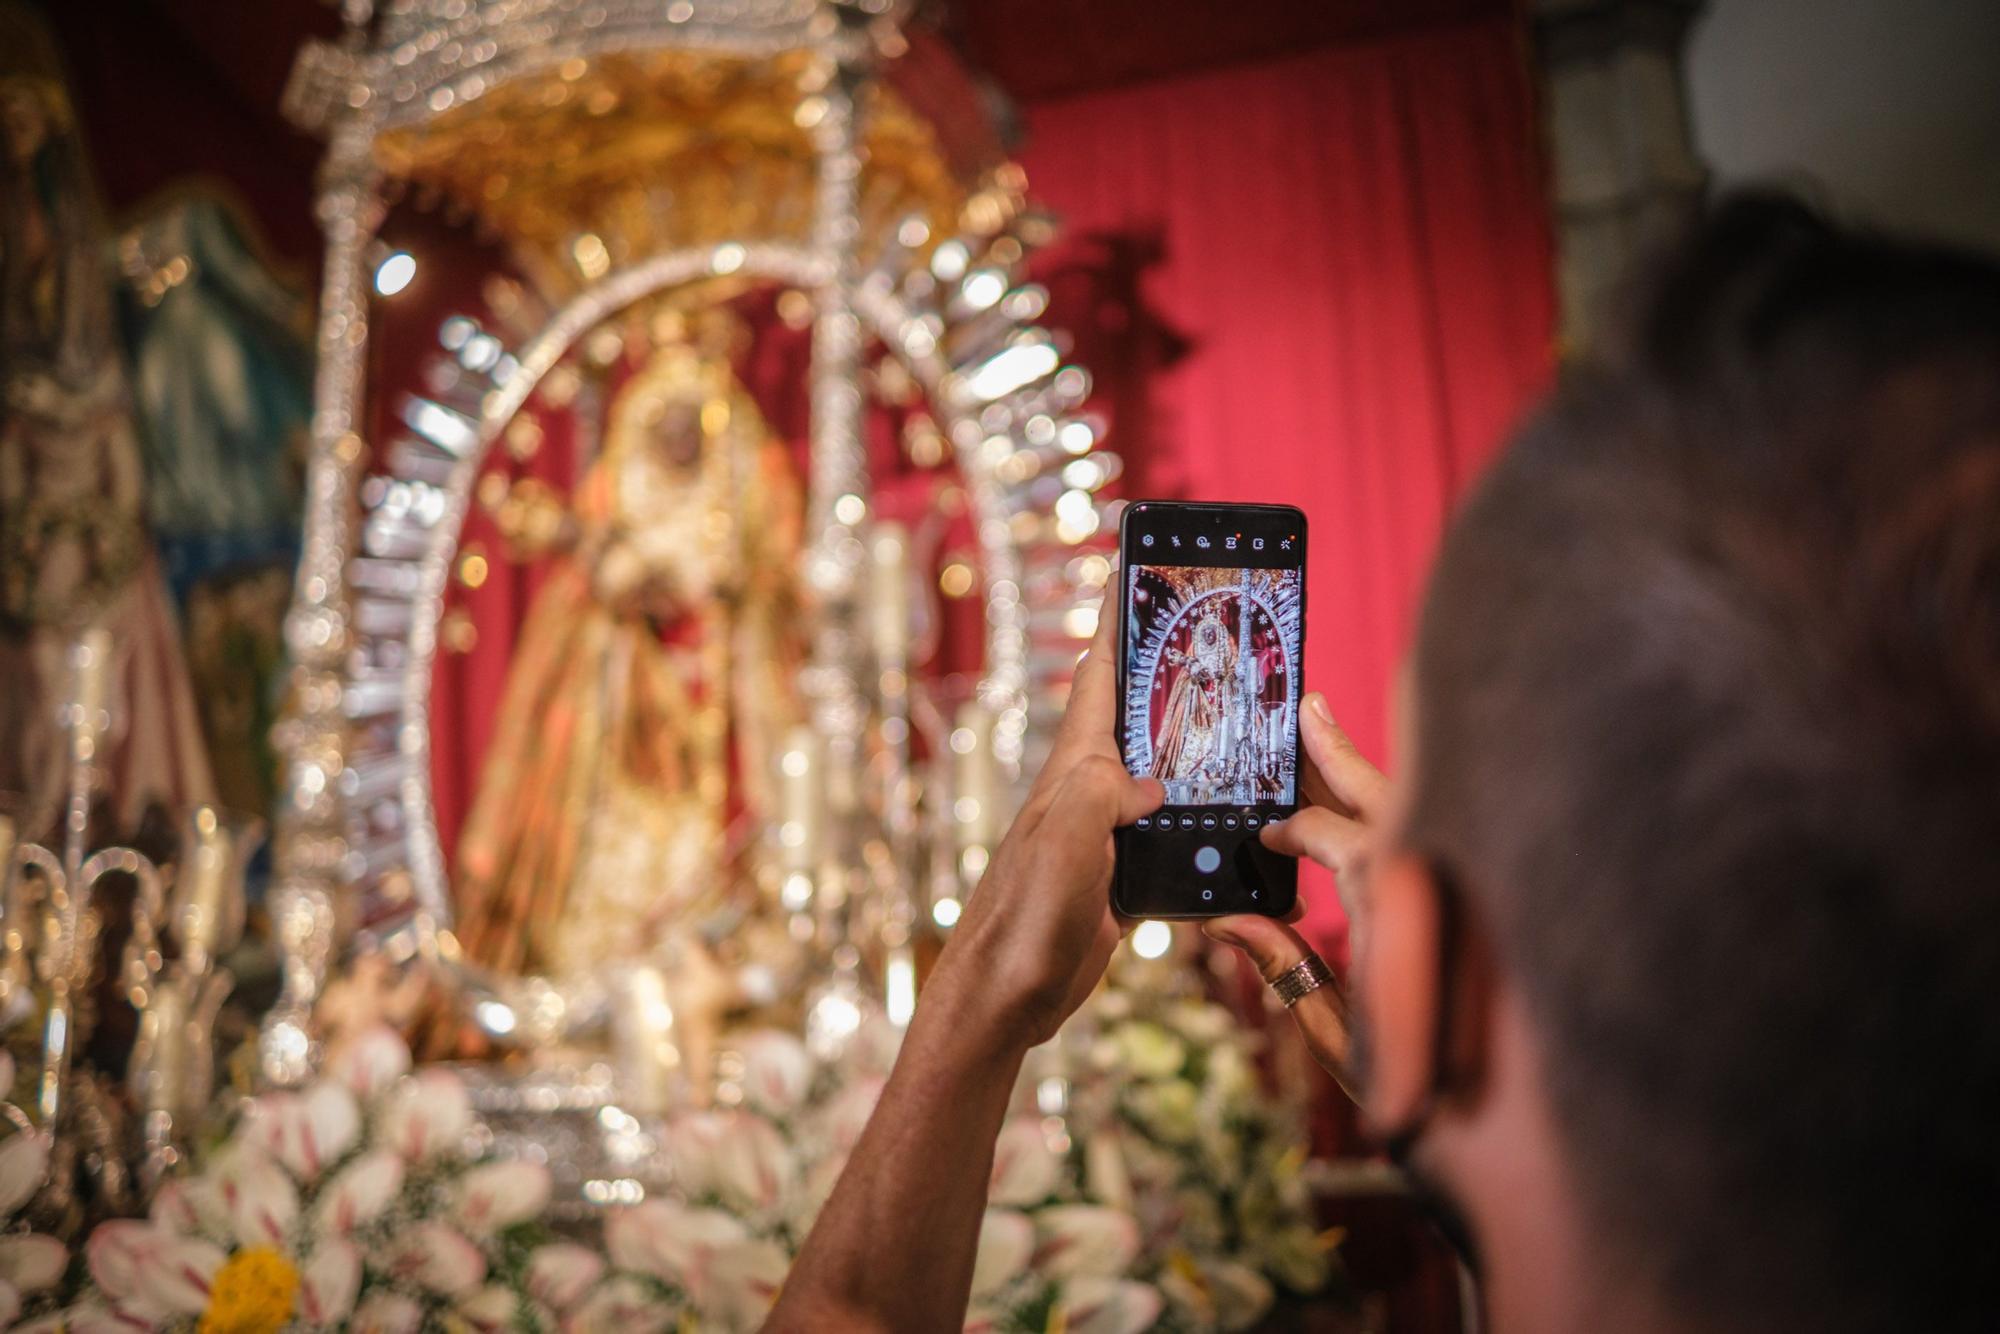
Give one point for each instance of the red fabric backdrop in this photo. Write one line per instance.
(1322, 281)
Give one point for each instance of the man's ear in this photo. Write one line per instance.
(1422, 955)
(1402, 990)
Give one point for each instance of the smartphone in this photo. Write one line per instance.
(1211, 645)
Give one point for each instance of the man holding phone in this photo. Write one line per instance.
(1675, 934)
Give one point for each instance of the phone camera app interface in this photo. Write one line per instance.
(1212, 682)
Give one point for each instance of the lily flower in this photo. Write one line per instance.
(1084, 1240)
(369, 1062)
(737, 1156)
(777, 1071)
(426, 1115)
(1025, 1169)
(436, 1256)
(493, 1196)
(562, 1273)
(358, 1193)
(1109, 1306)
(1006, 1245)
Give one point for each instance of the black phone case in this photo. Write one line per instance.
(1144, 881)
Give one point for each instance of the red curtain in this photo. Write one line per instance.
(1323, 281)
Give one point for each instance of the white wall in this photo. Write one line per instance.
(1887, 110)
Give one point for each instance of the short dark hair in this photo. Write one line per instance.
(1708, 723)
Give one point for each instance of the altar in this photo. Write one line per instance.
(700, 527)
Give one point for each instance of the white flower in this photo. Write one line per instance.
(370, 1062)
(743, 1283)
(436, 1256)
(359, 1192)
(561, 1273)
(89, 1316)
(498, 1195)
(387, 1313)
(1006, 1244)
(24, 1164)
(149, 1273)
(427, 1114)
(777, 1071)
(1202, 1023)
(259, 1199)
(1148, 1050)
(846, 1113)
(29, 1263)
(1230, 1074)
(738, 1156)
(1104, 1173)
(1109, 1306)
(497, 1307)
(1025, 1169)
(1076, 1240)
(192, 1206)
(1169, 1109)
(670, 1241)
(305, 1131)
(329, 1283)
(622, 1306)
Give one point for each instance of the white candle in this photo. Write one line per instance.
(206, 869)
(163, 1036)
(801, 800)
(643, 1040)
(889, 597)
(975, 790)
(91, 661)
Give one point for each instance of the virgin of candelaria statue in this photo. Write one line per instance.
(652, 677)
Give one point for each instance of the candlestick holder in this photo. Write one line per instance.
(51, 916)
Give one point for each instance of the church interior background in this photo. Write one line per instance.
(541, 541)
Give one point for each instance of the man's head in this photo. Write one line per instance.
(1706, 725)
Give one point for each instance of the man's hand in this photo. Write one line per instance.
(1344, 795)
(1039, 930)
(1032, 943)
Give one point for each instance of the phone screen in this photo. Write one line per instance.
(1211, 665)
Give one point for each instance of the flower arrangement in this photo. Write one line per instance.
(1157, 1191)
(1175, 1127)
(352, 1202)
(755, 1170)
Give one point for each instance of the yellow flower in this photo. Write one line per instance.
(253, 1293)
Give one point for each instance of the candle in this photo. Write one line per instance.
(643, 1041)
(91, 660)
(801, 801)
(974, 787)
(204, 886)
(160, 1054)
(889, 601)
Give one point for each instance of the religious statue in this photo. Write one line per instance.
(74, 549)
(1209, 701)
(1193, 727)
(624, 787)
